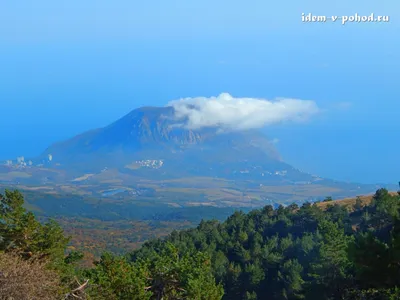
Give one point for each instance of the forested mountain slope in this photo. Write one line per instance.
(307, 252)
(296, 253)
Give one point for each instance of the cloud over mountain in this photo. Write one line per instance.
(232, 113)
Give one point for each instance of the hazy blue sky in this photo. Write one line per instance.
(69, 66)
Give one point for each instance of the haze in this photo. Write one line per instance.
(69, 66)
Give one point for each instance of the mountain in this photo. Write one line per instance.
(151, 155)
(154, 134)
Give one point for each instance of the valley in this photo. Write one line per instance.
(144, 183)
(146, 174)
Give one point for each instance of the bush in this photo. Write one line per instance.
(22, 279)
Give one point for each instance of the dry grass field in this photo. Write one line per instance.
(349, 202)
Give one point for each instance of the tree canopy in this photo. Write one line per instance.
(285, 253)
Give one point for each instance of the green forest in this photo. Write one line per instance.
(292, 252)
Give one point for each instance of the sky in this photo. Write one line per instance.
(70, 66)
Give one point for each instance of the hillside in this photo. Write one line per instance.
(96, 226)
(365, 200)
(150, 153)
(155, 133)
(285, 253)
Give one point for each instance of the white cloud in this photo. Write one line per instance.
(232, 113)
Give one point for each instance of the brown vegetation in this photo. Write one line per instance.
(27, 279)
(349, 202)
